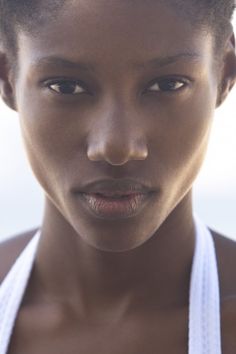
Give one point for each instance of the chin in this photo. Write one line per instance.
(117, 235)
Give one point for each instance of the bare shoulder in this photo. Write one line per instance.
(226, 260)
(11, 248)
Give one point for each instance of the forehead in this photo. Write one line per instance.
(115, 31)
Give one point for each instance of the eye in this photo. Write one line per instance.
(167, 85)
(66, 87)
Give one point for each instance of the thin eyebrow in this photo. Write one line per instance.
(164, 61)
(156, 62)
(62, 63)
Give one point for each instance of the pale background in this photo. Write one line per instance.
(21, 198)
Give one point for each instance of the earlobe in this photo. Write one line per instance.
(228, 76)
(6, 86)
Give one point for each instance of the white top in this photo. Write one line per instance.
(204, 304)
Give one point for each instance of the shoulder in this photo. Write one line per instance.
(11, 248)
(226, 259)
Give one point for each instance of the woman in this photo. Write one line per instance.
(116, 100)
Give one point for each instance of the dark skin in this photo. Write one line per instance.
(116, 286)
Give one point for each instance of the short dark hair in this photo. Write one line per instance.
(215, 15)
(25, 15)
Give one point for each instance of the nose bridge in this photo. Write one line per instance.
(117, 136)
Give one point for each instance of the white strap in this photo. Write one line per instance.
(204, 308)
(12, 291)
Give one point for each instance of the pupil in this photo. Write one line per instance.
(67, 88)
(168, 85)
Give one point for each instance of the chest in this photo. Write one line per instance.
(159, 332)
(46, 333)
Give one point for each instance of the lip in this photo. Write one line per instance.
(114, 186)
(114, 199)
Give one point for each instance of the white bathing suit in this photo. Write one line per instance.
(204, 301)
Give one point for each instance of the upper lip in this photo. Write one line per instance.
(111, 187)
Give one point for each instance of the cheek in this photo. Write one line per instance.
(187, 133)
(46, 143)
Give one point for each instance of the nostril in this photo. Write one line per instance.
(115, 158)
(116, 155)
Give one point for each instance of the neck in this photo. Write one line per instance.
(156, 273)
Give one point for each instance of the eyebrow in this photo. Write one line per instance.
(156, 62)
(164, 61)
(63, 63)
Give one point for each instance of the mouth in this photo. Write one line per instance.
(111, 199)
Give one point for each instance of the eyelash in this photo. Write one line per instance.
(82, 87)
(84, 90)
(167, 81)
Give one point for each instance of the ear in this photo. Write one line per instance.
(227, 76)
(7, 82)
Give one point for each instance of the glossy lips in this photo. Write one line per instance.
(114, 199)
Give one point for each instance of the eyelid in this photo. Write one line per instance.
(183, 79)
(60, 80)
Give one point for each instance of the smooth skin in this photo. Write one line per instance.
(116, 286)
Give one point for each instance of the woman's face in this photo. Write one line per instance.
(122, 92)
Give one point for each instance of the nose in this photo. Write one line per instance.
(116, 140)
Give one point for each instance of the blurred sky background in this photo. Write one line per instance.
(21, 198)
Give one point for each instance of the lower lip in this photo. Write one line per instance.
(115, 208)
